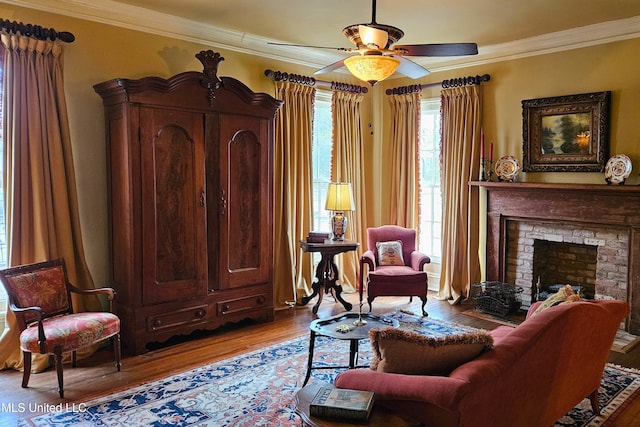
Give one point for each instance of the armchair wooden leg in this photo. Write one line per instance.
(424, 302)
(595, 406)
(116, 349)
(370, 300)
(58, 358)
(26, 357)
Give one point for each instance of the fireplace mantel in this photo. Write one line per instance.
(588, 204)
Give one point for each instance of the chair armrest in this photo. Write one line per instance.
(111, 293)
(368, 259)
(418, 260)
(37, 313)
(23, 310)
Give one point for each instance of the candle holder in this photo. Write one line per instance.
(360, 321)
(486, 170)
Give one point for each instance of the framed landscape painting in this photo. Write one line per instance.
(566, 133)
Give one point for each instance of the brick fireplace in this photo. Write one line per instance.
(591, 257)
(589, 234)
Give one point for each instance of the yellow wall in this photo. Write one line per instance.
(102, 52)
(609, 67)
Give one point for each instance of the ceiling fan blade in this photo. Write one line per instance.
(438, 49)
(331, 67)
(410, 68)
(373, 36)
(344, 49)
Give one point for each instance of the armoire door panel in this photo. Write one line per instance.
(246, 211)
(173, 205)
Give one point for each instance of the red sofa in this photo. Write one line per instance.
(534, 374)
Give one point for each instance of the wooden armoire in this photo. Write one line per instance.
(190, 185)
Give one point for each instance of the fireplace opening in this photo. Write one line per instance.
(556, 264)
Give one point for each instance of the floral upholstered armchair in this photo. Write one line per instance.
(40, 297)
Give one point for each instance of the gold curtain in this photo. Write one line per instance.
(347, 165)
(404, 164)
(461, 132)
(293, 213)
(41, 207)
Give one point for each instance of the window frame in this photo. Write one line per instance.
(432, 227)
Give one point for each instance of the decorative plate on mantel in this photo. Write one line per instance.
(507, 168)
(618, 169)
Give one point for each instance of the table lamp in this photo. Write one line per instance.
(339, 200)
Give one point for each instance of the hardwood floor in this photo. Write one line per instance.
(97, 375)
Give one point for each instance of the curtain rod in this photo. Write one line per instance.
(455, 82)
(311, 81)
(36, 31)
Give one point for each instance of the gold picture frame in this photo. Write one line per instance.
(566, 133)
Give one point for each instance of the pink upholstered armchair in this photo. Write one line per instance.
(393, 269)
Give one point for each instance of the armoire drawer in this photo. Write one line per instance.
(177, 318)
(238, 305)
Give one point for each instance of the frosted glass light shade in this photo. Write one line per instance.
(372, 68)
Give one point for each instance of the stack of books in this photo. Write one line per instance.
(317, 236)
(331, 402)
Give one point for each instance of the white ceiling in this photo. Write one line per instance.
(503, 29)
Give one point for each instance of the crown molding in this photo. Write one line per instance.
(139, 19)
(575, 38)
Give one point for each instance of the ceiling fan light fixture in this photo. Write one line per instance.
(372, 68)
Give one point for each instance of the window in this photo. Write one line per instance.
(321, 157)
(430, 241)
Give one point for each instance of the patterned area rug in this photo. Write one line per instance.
(258, 389)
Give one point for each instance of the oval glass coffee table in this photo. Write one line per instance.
(345, 326)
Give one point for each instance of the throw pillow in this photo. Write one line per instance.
(390, 253)
(564, 295)
(405, 352)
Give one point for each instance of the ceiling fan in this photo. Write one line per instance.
(377, 55)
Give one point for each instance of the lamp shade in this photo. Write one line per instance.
(340, 197)
(372, 68)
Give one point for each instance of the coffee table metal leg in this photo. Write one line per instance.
(312, 343)
(353, 353)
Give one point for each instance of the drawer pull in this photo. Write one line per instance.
(225, 308)
(260, 300)
(157, 323)
(200, 313)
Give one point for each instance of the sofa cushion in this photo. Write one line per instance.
(390, 253)
(397, 274)
(405, 352)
